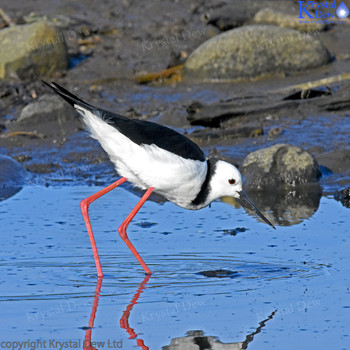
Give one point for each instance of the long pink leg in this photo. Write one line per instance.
(84, 205)
(126, 222)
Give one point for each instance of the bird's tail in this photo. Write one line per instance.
(69, 97)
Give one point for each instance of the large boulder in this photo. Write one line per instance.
(279, 165)
(255, 50)
(31, 50)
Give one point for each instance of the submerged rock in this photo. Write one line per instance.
(279, 165)
(282, 19)
(31, 50)
(12, 177)
(46, 108)
(253, 51)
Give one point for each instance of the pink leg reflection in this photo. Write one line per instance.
(124, 321)
(87, 341)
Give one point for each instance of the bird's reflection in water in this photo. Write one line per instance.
(124, 321)
(87, 340)
(193, 340)
(196, 340)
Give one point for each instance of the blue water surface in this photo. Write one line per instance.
(257, 288)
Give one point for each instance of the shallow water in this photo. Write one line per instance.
(217, 271)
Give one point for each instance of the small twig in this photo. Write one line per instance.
(173, 72)
(5, 17)
(317, 83)
(26, 133)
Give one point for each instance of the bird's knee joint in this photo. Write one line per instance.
(122, 231)
(84, 205)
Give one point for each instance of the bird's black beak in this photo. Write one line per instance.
(246, 203)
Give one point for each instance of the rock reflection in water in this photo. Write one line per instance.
(285, 206)
(12, 177)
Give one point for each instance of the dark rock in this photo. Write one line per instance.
(219, 273)
(255, 50)
(215, 114)
(47, 108)
(177, 58)
(279, 165)
(337, 161)
(343, 196)
(308, 93)
(228, 17)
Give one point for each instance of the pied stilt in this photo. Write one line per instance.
(155, 158)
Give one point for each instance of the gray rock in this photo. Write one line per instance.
(282, 19)
(12, 177)
(279, 165)
(337, 161)
(47, 108)
(255, 50)
(31, 50)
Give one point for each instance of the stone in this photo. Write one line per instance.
(255, 50)
(12, 177)
(31, 50)
(337, 161)
(285, 20)
(343, 196)
(47, 108)
(278, 165)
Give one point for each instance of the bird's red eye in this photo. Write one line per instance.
(232, 181)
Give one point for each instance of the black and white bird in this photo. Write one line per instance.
(155, 158)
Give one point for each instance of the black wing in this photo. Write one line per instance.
(139, 131)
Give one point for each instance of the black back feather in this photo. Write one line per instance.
(139, 131)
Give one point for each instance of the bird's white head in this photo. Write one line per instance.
(226, 180)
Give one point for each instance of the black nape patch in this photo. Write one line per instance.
(204, 191)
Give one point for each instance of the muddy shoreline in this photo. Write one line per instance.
(122, 43)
